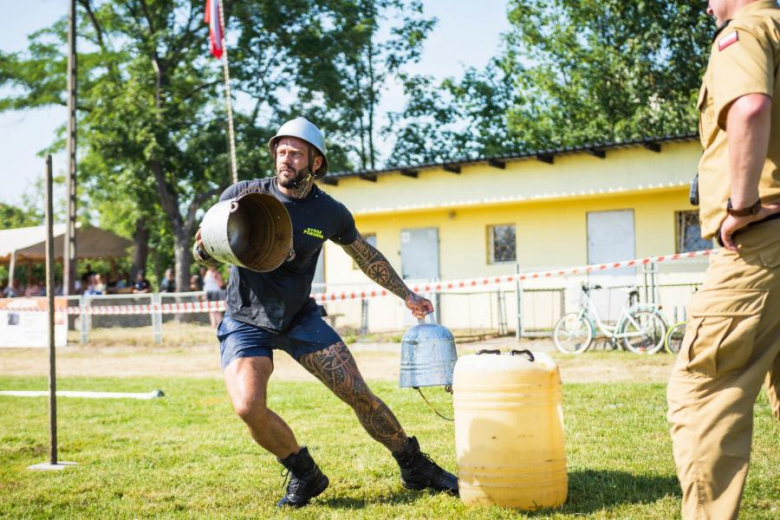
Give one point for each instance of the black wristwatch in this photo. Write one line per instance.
(744, 212)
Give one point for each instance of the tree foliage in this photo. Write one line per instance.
(457, 119)
(152, 124)
(14, 217)
(571, 72)
(604, 70)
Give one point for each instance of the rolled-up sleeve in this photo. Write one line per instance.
(740, 65)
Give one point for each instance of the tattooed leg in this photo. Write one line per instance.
(336, 367)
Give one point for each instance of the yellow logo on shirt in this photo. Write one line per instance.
(314, 233)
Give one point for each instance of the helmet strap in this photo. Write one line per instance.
(302, 187)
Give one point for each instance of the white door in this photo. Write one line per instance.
(420, 254)
(611, 239)
(319, 274)
(420, 261)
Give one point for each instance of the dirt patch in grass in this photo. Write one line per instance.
(377, 361)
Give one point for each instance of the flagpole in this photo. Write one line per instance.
(228, 99)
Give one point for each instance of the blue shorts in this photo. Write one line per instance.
(241, 340)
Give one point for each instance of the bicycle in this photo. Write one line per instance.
(674, 337)
(641, 329)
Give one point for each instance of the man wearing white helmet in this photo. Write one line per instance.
(273, 310)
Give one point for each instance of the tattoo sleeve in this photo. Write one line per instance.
(336, 367)
(377, 267)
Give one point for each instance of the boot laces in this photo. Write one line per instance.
(426, 465)
(292, 487)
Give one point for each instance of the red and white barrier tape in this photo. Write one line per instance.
(128, 310)
(443, 286)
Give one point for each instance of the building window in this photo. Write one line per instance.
(371, 239)
(502, 243)
(689, 232)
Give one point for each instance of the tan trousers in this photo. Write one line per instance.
(731, 347)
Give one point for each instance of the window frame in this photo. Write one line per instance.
(491, 260)
(679, 231)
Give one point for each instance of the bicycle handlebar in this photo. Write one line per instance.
(587, 288)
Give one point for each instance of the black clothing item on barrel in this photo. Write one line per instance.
(274, 300)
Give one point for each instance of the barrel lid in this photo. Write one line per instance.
(507, 361)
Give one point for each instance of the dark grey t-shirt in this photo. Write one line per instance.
(276, 299)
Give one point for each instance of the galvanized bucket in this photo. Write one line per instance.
(252, 230)
(428, 356)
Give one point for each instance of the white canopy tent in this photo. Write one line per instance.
(29, 244)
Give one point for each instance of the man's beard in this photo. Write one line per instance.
(296, 181)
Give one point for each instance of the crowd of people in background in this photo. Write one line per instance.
(208, 281)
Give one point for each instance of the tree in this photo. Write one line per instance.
(12, 217)
(364, 73)
(571, 72)
(605, 70)
(457, 119)
(332, 57)
(152, 122)
(141, 100)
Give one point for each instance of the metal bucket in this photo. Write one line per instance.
(428, 356)
(252, 230)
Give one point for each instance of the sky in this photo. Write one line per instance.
(467, 34)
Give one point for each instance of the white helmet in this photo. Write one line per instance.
(302, 128)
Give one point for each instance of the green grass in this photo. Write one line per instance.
(187, 455)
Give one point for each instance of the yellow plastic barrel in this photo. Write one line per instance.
(509, 430)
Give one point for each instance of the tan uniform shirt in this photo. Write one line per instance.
(744, 60)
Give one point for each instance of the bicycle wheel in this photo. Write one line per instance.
(643, 331)
(573, 333)
(674, 337)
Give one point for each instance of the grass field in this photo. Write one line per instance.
(186, 455)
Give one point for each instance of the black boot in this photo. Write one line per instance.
(306, 479)
(418, 471)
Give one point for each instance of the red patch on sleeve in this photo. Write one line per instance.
(730, 39)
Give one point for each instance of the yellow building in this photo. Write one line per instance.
(530, 211)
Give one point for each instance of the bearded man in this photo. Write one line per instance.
(274, 311)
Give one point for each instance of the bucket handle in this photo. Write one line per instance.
(448, 389)
(526, 352)
(488, 351)
(430, 315)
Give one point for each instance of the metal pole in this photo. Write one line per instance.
(11, 274)
(69, 249)
(83, 300)
(157, 317)
(53, 463)
(654, 280)
(364, 316)
(228, 99)
(519, 295)
(50, 298)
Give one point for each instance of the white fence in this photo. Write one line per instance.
(489, 306)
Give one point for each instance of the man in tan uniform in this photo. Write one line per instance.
(732, 343)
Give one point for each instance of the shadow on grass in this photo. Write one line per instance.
(590, 491)
(400, 497)
(595, 490)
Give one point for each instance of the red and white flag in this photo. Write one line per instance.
(726, 41)
(215, 27)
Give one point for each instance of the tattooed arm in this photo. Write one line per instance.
(378, 268)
